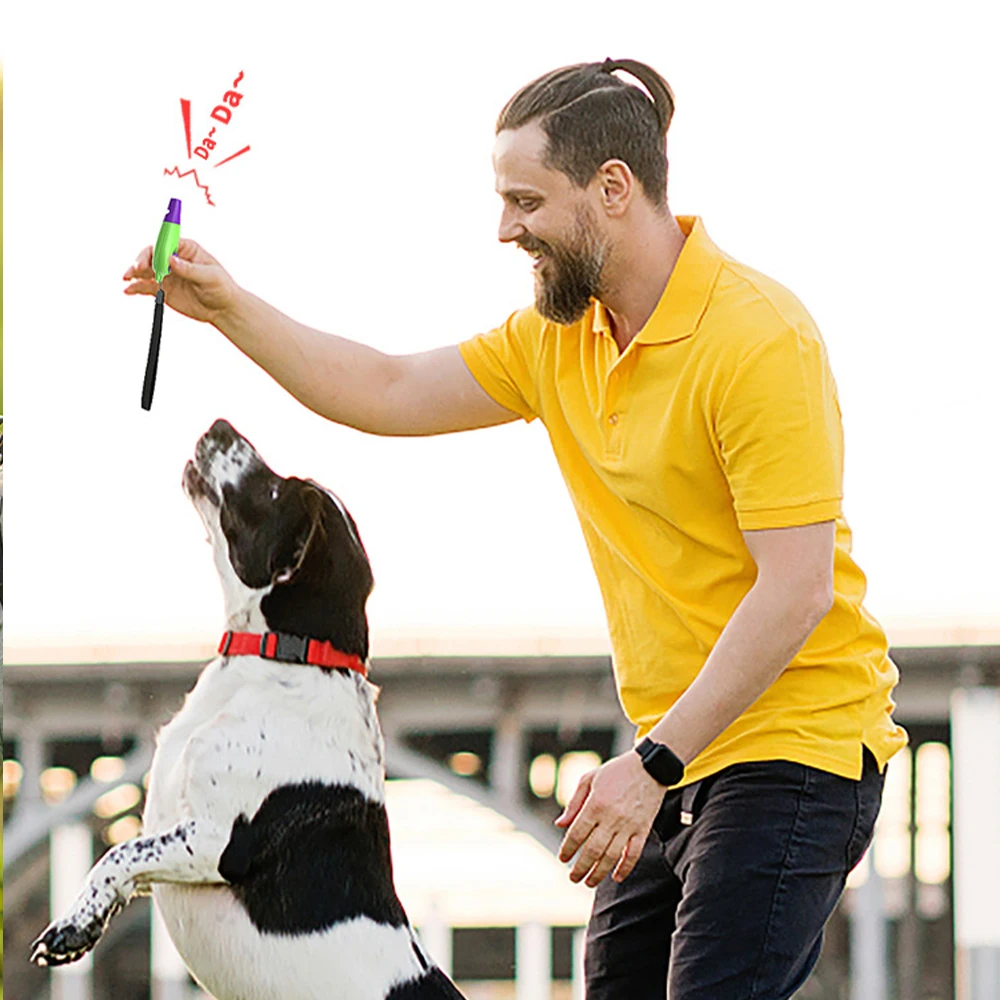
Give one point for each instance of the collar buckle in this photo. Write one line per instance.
(285, 647)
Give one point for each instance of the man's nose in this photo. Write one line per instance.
(510, 227)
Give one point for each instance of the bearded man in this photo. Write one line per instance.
(691, 408)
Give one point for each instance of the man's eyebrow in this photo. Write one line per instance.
(519, 192)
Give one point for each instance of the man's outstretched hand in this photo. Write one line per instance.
(609, 819)
(197, 285)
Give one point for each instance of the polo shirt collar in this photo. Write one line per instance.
(683, 302)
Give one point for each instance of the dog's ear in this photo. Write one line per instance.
(306, 541)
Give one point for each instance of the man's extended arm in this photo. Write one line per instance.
(428, 393)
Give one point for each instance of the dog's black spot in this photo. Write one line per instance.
(235, 860)
(434, 985)
(312, 856)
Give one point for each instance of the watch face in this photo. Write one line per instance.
(660, 762)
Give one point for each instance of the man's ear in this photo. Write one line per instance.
(617, 187)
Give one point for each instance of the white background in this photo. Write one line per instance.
(846, 150)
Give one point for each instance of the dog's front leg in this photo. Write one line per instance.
(188, 852)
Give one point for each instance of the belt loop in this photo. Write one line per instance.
(688, 795)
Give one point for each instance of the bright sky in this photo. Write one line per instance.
(841, 150)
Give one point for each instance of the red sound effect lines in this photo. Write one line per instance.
(204, 187)
(186, 113)
(233, 157)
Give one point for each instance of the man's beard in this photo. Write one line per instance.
(574, 266)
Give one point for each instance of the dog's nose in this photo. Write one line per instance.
(223, 432)
(220, 437)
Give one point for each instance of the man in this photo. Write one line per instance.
(692, 411)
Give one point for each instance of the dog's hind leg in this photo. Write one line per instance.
(188, 852)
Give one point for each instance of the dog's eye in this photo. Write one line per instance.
(274, 492)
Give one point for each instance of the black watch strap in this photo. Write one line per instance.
(660, 762)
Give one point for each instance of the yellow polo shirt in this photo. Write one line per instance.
(721, 416)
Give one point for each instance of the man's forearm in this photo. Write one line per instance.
(337, 378)
(765, 632)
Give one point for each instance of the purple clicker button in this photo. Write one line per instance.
(173, 211)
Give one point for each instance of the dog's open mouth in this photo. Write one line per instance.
(197, 485)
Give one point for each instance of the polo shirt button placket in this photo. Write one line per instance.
(613, 437)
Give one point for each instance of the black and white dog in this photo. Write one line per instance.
(265, 842)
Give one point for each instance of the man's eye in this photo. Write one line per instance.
(527, 204)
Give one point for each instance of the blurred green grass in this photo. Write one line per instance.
(1, 413)
(1, 278)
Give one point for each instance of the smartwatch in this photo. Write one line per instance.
(660, 762)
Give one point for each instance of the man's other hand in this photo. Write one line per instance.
(609, 819)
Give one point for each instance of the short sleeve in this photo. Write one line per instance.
(780, 434)
(503, 362)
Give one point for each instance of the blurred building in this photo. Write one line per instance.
(483, 749)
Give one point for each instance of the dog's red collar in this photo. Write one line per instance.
(289, 649)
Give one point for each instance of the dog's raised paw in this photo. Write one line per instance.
(64, 943)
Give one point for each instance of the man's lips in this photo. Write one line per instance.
(537, 253)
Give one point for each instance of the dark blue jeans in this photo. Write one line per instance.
(735, 883)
